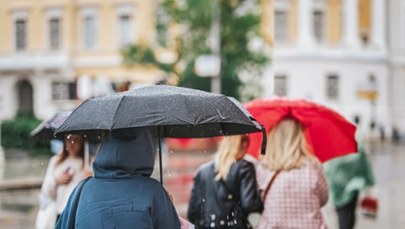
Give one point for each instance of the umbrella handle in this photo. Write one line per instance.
(264, 140)
(86, 156)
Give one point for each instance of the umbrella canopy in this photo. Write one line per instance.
(46, 129)
(176, 112)
(328, 133)
(179, 112)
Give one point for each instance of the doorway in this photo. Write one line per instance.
(25, 98)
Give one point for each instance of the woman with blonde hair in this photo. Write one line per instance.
(225, 189)
(293, 183)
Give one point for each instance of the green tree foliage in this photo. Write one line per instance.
(136, 54)
(16, 134)
(239, 21)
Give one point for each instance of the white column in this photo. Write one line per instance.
(305, 24)
(378, 22)
(351, 24)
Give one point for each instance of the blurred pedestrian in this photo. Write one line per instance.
(65, 170)
(122, 194)
(396, 137)
(294, 186)
(225, 191)
(347, 177)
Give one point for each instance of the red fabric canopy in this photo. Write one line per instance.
(328, 133)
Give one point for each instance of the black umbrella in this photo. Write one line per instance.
(46, 129)
(176, 111)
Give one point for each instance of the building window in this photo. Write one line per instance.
(89, 32)
(20, 34)
(281, 26)
(319, 25)
(54, 33)
(64, 91)
(124, 26)
(280, 85)
(332, 87)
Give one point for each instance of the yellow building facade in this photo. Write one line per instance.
(330, 15)
(47, 48)
(56, 53)
(334, 52)
(103, 20)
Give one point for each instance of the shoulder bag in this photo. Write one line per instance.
(269, 185)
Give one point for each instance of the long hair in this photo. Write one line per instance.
(228, 152)
(287, 147)
(64, 154)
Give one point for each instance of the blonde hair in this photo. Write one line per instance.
(228, 152)
(287, 147)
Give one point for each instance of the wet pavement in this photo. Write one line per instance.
(18, 208)
(389, 169)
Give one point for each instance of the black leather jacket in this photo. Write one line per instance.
(224, 204)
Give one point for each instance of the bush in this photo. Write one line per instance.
(16, 134)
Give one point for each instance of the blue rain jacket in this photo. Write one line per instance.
(122, 195)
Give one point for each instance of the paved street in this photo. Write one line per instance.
(389, 169)
(18, 208)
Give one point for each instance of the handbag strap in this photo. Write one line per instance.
(72, 219)
(269, 185)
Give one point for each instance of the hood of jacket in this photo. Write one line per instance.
(125, 154)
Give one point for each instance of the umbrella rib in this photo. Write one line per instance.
(116, 112)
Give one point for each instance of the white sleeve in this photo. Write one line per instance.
(49, 184)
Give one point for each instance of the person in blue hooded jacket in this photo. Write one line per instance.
(122, 194)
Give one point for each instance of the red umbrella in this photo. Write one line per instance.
(328, 133)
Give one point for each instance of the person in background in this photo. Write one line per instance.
(225, 191)
(347, 176)
(65, 170)
(122, 194)
(299, 188)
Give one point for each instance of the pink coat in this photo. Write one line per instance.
(295, 199)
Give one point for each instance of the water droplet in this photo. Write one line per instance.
(203, 200)
(222, 222)
(230, 196)
(212, 224)
(213, 217)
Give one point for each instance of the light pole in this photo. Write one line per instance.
(210, 65)
(216, 43)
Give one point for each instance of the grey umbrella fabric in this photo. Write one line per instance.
(173, 111)
(46, 129)
(179, 112)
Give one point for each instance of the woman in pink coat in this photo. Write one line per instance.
(299, 190)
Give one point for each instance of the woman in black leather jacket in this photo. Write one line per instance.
(225, 189)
